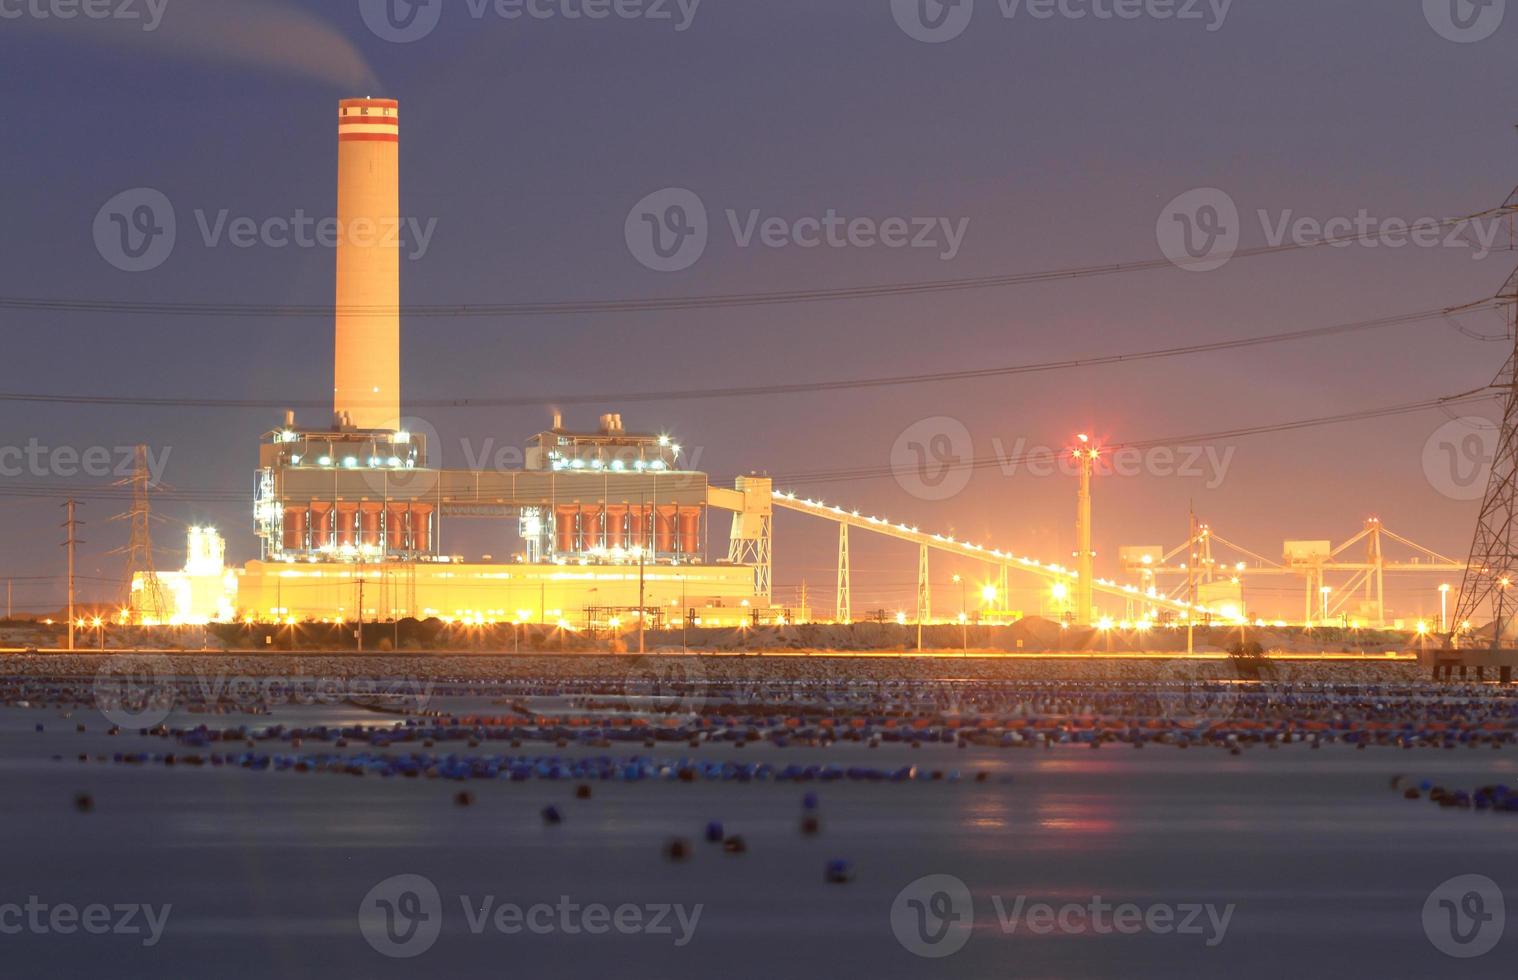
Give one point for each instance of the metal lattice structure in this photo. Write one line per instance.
(843, 608)
(1494, 554)
(143, 596)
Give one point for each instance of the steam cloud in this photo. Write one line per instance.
(267, 34)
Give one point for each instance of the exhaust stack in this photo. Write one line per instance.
(366, 391)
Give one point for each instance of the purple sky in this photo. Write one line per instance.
(1059, 140)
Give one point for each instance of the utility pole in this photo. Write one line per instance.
(1085, 559)
(71, 525)
(924, 595)
(1191, 587)
(358, 633)
(964, 615)
(642, 603)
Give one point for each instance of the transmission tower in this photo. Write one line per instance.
(1493, 567)
(150, 605)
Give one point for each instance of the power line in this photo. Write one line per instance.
(663, 303)
(793, 388)
(977, 463)
(239, 496)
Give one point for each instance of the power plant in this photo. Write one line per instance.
(615, 530)
(350, 516)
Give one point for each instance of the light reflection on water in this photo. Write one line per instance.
(1327, 866)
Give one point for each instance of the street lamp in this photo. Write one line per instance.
(1443, 607)
(964, 629)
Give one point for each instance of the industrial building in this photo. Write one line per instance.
(353, 523)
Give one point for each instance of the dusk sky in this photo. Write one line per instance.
(1051, 143)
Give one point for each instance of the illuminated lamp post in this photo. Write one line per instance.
(964, 619)
(1444, 608)
(1086, 456)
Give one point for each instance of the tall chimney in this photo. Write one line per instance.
(367, 366)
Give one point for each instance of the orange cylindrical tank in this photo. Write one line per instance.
(690, 530)
(295, 529)
(664, 529)
(347, 520)
(321, 526)
(637, 527)
(564, 528)
(616, 522)
(367, 366)
(395, 527)
(421, 528)
(369, 524)
(590, 527)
